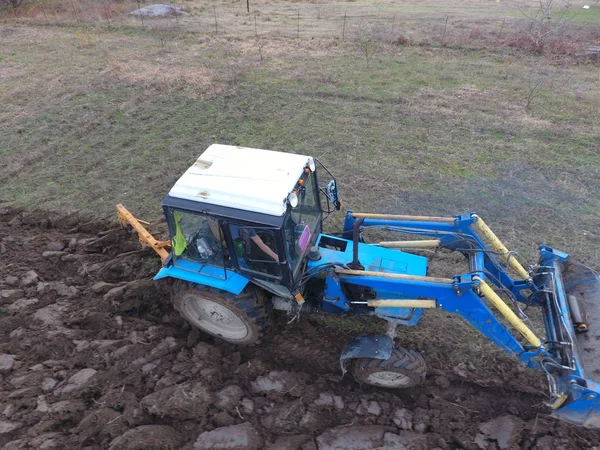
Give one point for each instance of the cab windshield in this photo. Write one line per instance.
(302, 222)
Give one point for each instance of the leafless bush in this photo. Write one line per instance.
(366, 38)
(235, 72)
(260, 43)
(544, 20)
(388, 35)
(542, 79)
(163, 29)
(14, 3)
(400, 40)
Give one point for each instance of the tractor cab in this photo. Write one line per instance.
(246, 214)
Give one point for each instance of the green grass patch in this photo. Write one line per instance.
(417, 130)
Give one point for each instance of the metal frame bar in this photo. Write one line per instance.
(146, 239)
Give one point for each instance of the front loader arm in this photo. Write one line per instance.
(562, 293)
(457, 296)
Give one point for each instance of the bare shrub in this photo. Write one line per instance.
(14, 3)
(400, 40)
(163, 29)
(366, 37)
(543, 21)
(543, 78)
(260, 43)
(475, 33)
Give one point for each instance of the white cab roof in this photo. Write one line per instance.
(243, 178)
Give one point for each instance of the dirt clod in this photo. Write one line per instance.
(229, 397)
(357, 438)
(237, 437)
(182, 402)
(93, 356)
(505, 430)
(76, 382)
(6, 362)
(147, 436)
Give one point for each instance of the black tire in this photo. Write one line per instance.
(242, 319)
(405, 368)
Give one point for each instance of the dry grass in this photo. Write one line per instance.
(444, 129)
(198, 81)
(93, 116)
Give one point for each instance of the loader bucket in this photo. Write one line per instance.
(574, 317)
(582, 286)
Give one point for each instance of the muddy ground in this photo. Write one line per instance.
(93, 356)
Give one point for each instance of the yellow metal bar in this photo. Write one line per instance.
(400, 217)
(497, 244)
(430, 243)
(403, 303)
(508, 313)
(146, 239)
(558, 401)
(366, 273)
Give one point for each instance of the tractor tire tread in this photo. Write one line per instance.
(401, 358)
(409, 362)
(252, 301)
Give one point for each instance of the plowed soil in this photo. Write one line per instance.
(95, 357)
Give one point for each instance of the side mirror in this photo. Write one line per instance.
(332, 193)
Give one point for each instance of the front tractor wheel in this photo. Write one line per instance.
(405, 368)
(239, 319)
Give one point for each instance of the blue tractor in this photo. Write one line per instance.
(247, 238)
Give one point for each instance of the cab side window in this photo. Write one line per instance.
(256, 250)
(197, 238)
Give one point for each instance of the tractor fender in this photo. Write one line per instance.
(233, 282)
(375, 347)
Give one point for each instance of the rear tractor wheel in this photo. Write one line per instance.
(238, 319)
(405, 368)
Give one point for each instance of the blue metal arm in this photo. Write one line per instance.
(458, 298)
(457, 236)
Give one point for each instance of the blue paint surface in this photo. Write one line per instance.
(374, 258)
(377, 259)
(216, 277)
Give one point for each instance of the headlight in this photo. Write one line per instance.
(293, 199)
(311, 164)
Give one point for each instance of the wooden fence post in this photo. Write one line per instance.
(45, 16)
(444, 33)
(75, 10)
(216, 24)
(141, 15)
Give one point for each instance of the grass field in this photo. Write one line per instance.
(94, 115)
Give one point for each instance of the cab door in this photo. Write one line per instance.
(257, 251)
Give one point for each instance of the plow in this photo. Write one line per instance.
(246, 238)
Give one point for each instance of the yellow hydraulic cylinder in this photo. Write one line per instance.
(428, 243)
(497, 244)
(402, 303)
(399, 276)
(401, 217)
(508, 313)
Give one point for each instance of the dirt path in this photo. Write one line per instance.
(93, 356)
